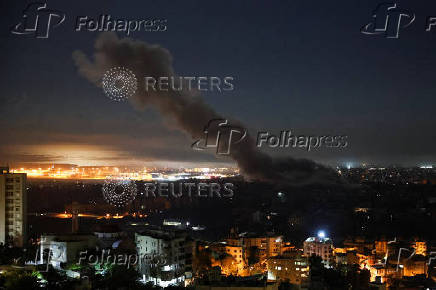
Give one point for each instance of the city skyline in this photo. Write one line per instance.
(210, 145)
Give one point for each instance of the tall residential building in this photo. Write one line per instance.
(13, 208)
(162, 257)
(319, 246)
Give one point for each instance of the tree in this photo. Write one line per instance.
(253, 255)
(55, 279)
(121, 277)
(358, 279)
(18, 280)
(202, 262)
(322, 278)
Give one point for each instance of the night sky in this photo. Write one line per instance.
(298, 65)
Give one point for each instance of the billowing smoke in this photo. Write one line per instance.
(188, 109)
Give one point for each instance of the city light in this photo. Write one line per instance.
(321, 234)
(143, 152)
(132, 173)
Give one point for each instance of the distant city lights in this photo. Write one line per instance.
(426, 167)
(104, 172)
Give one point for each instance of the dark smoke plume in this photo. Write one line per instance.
(188, 110)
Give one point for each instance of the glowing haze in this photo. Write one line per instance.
(188, 110)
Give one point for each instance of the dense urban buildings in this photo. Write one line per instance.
(217, 145)
(280, 239)
(291, 266)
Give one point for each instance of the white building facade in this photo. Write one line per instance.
(161, 257)
(319, 246)
(13, 208)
